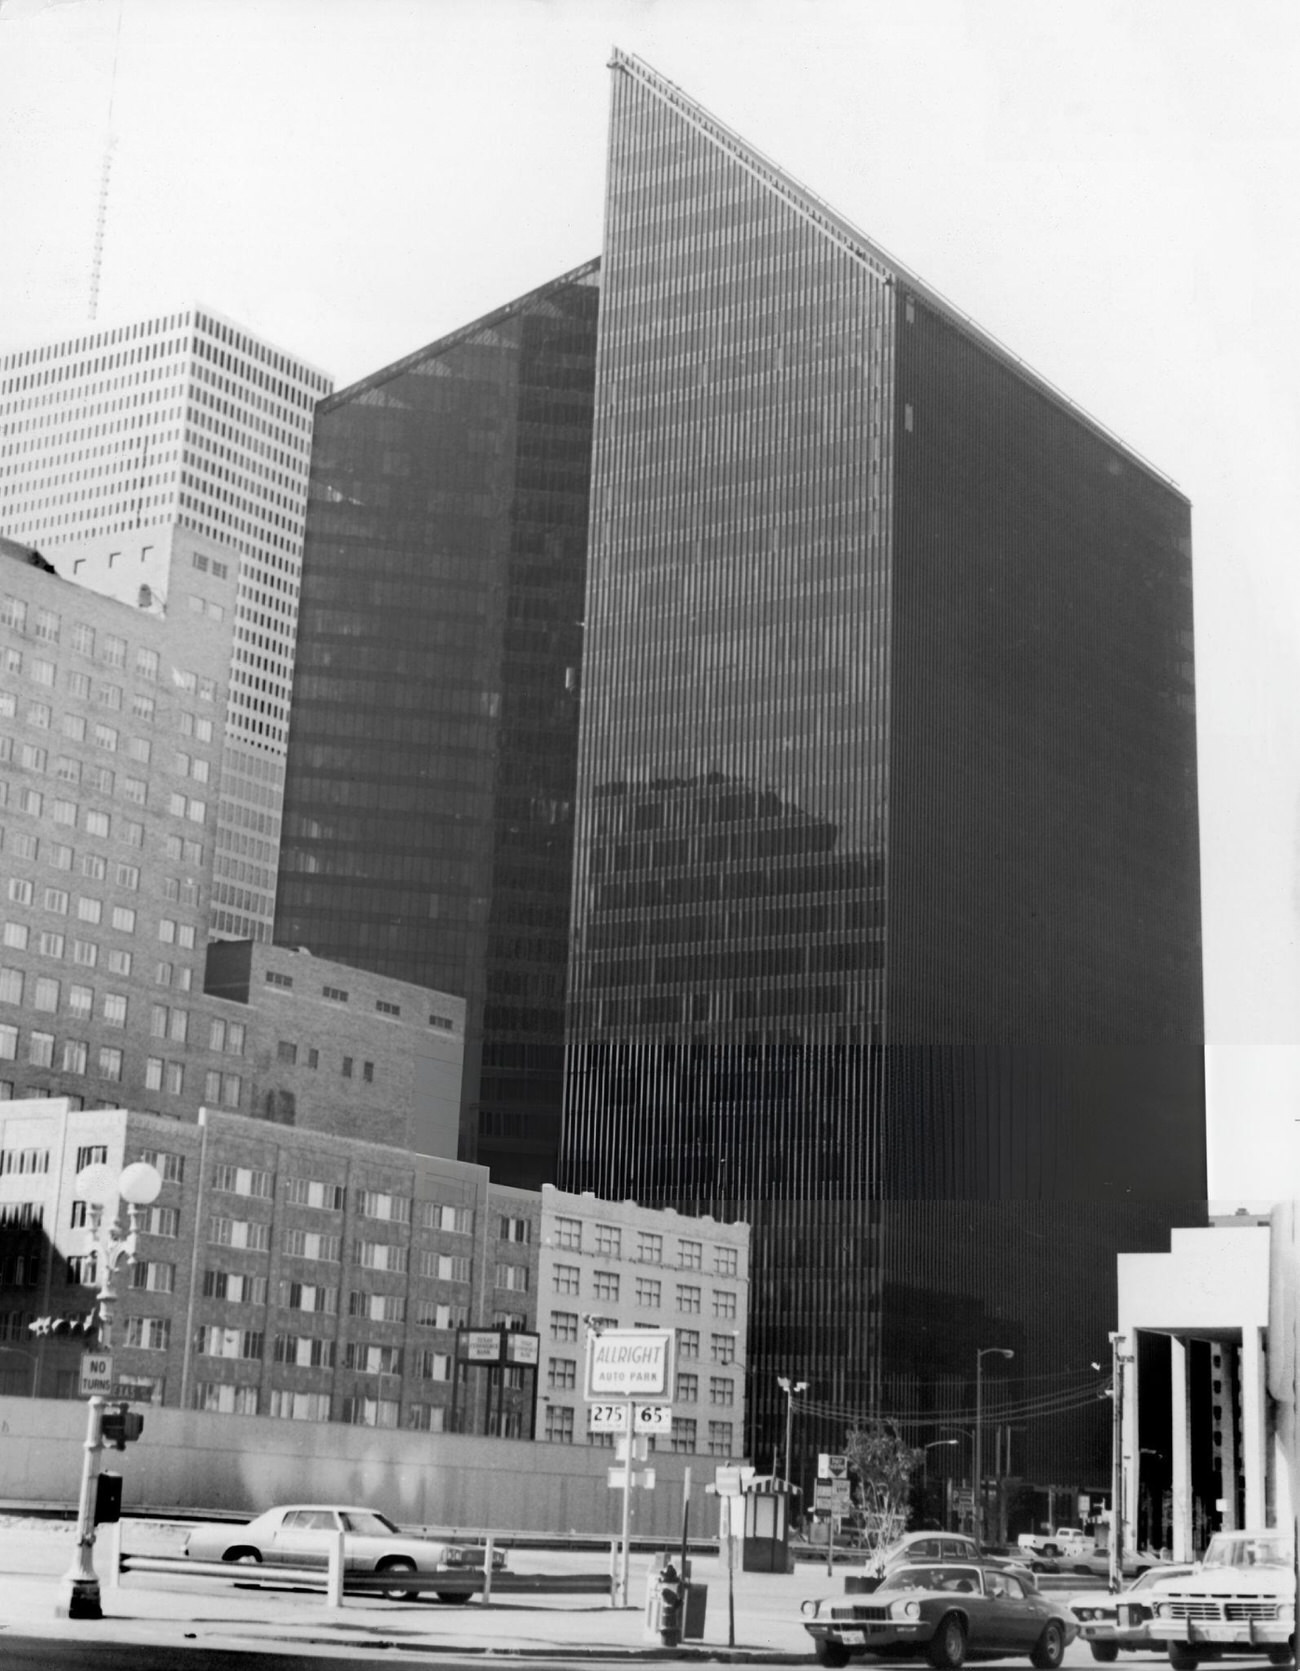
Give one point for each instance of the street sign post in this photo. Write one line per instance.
(632, 1367)
(96, 1374)
(730, 1482)
(834, 1498)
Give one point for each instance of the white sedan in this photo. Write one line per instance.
(302, 1535)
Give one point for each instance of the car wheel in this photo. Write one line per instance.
(1280, 1655)
(946, 1649)
(1050, 1549)
(1106, 1652)
(395, 1566)
(830, 1652)
(1049, 1650)
(453, 1598)
(1181, 1657)
(243, 1557)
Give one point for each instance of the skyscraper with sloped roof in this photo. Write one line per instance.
(886, 875)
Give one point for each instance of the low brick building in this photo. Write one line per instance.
(616, 1264)
(280, 1272)
(313, 1276)
(336, 1049)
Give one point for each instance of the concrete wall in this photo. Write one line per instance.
(190, 1460)
(1284, 1346)
(1209, 1279)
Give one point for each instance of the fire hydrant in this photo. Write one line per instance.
(670, 1607)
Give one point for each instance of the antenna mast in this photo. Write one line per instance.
(105, 177)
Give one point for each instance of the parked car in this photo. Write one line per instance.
(924, 1548)
(950, 1612)
(1240, 1598)
(302, 1534)
(1133, 1563)
(1065, 1540)
(1098, 1613)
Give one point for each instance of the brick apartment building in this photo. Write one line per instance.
(316, 1277)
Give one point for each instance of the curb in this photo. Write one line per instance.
(560, 1653)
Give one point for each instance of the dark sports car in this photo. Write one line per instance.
(952, 1612)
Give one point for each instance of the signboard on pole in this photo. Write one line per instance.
(479, 1345)
(832, 1467)
(96, 1374)
(522, 1347)
(833, 1497)
(730, 1481)
(630, 1364)
(654, 1419)
(642, 1479)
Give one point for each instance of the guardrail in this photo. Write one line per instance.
(451, 1586)
(374, 1583)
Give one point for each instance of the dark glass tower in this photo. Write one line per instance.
(428, 825)
(886, 927)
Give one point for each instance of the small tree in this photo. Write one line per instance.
(882, 1466)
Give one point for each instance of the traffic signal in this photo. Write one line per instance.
(64, 1325)
(120, 1426)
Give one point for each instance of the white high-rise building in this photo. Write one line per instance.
(180, 440)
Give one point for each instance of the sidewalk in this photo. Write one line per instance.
(160, 1610)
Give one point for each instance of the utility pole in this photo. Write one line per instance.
(1117, 1362)
(791, 1388)
(981, 1354)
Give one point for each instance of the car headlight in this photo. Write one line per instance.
(453, 1557)
(906, 1610)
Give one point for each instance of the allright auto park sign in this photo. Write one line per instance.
(630, 1363)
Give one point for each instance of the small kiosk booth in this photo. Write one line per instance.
(765, 1528)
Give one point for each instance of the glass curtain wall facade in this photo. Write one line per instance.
(433, 738)
(887, 669)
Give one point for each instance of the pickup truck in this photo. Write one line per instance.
(1241, 1597)
(1065, 1540)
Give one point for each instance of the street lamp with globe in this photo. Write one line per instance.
(103, 1190)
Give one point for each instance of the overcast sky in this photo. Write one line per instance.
(1108, 188)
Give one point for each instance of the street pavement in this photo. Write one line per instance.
(184, 1611)
(169, 1616)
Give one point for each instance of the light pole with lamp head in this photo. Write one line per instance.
(97, 1185)
(790, 1388)
(935, 1444)
(967, 1437)
(980, 1355)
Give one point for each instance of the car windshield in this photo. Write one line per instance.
(1262, 1551)
(365, 1523)
(933, 1578)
